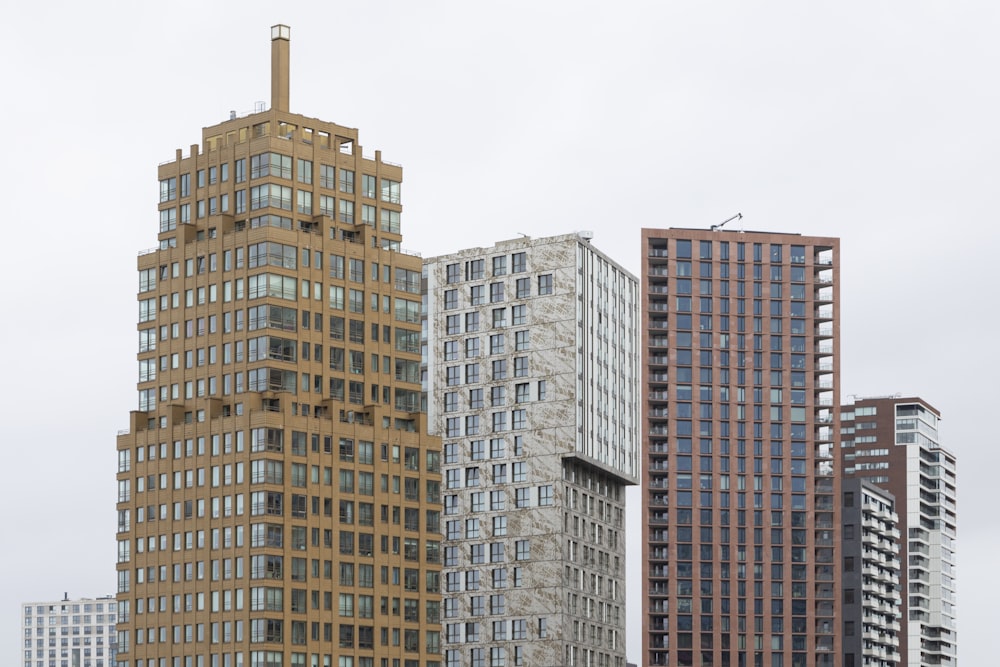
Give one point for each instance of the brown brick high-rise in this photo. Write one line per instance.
(741, 514)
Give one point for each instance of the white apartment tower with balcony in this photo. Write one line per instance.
(894, 442)
(532, 378)
(871, 581)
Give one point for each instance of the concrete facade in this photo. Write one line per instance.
(894, 442)
(278, 497)
(69, 633)
(532, 374)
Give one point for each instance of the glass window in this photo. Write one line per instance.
(347, 181)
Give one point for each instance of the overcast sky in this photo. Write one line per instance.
(873, 121)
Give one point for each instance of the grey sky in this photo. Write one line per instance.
(873, 121)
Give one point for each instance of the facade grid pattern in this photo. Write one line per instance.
(741, 378)
(532, 360)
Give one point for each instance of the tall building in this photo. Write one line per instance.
(741, 337)
(278, 497)
(894, 442)
(69, 633)
(532, 364)
(870, 576)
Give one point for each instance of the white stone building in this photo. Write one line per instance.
(532, 379)
(69, 633)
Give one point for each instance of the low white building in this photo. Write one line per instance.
(69, 633)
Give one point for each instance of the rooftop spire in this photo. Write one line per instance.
(280, 36)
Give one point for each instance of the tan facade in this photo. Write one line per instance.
(742, 354)
(278, 495)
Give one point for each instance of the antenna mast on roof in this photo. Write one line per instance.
(715, 228)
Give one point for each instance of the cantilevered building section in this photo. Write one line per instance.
(278, 499)
(740, 332)
(870, 577)
(532, 364)
(894, 442)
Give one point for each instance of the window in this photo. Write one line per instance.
(519, 315)
(454, 273)
(499, 317)
(519, 419)
(499, 422)
(496, 292)
(304, 171)
(477, 450)
(522, 550)
(472, 322)
(368, 186)
(499, 526)
(498, 396)
(545, 495)
(326, 176)
(450, 299)
(272, 194)
(497, 448)
(477, 295)
(497, 605)
(347, 181)
(453, 324)
(519, 262)
(168, 189)
(497, 344)
(303, 200)
(390, 191)
(523, 287)
(499, 369)
(273, 164)
(346, 211)
(389, 221)
(545, 284)
(368, 215)
(521, 340)
(520, 366)
(475, 399)
(478, 501)
(472, 425)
